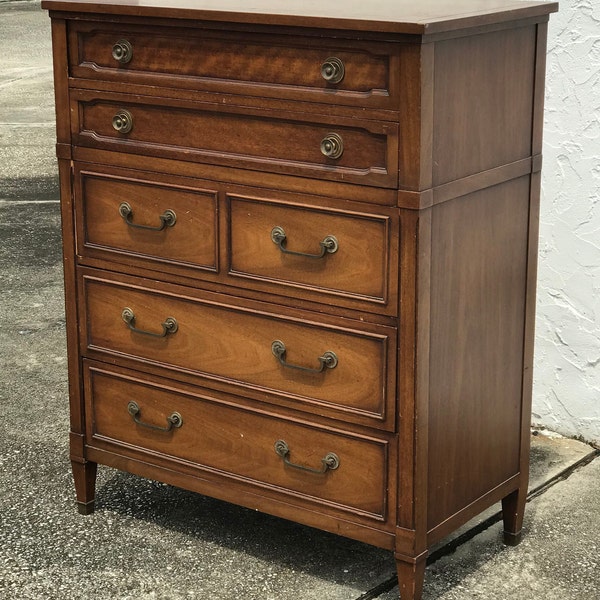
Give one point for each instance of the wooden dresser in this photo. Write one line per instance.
(300, 254)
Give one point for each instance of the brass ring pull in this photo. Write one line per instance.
(167, 219)
(169, 326)
(123, 121)
(175, 420)
(328, 245)
(333, 70)
(122, 51)
(329, 462)
(329, 360)
(332, 146)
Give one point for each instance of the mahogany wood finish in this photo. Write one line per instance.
(283, 143)
(212, 436)
(251, 66)
(234, 344)
(395, 362)
(190, 241)
(360, 263)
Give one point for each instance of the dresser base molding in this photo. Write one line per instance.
(242, 495)
(411, 569)
(300, 256)
(503, 491)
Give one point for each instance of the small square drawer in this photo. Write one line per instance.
(333, 71)
(307, 145)
(155, 223)
(162, 421)
(348, 255)
(319, 367)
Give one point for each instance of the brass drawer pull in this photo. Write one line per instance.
(167, 219)
(332, 145)
(333, 70)
(123, 121)
(175, 420)
(122, 51)
(330, 461)
(328, 245)
(169, 326)
(329, 359)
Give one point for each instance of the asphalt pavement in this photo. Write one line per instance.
(148, 540)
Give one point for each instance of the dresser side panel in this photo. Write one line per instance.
(478, 293)
(483, 104)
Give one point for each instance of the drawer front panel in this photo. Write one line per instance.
(226, 438)
(266, 65)
(342, 371)
(158, 222)
(348, 254)
(253, 139)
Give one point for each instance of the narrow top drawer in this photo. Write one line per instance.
(346, 72)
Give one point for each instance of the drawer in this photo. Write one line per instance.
(325, 250)
(347, 471)
(314, 366)
(333, 71)
(164, 225)
(339, 149)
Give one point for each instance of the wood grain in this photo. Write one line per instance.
(428, 302)
(191, 241)
(358, 267)
(238, 442)
(246, 138)
(234, 345)
(483, 108)
(478, 289)
(259, 65)
(399, 16)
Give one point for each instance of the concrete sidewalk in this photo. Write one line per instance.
(151, 541)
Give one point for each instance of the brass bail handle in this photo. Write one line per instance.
(174, 420)
(330, 462)
(169, 325)
(328, 360)
(329, 244)
(167, 219)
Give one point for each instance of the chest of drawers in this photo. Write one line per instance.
(300, 252)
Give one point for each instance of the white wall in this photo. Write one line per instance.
(566, 396)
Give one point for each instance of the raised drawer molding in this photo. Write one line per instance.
(300, 246)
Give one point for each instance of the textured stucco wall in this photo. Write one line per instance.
(566, 394)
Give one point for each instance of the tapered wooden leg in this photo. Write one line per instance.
(411, 574)
(84, 474)
(513, 511)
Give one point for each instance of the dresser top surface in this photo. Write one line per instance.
(399, 16)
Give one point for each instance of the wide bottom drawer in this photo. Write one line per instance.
(165, 421)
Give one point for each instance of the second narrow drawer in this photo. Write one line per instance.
(330, 370)
(294, 143)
